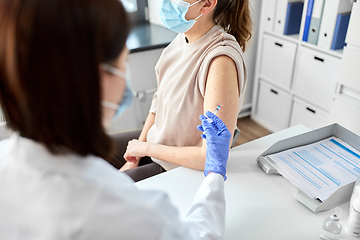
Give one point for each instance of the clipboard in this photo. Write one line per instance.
(342, 194)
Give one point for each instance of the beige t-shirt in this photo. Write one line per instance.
(181, 76)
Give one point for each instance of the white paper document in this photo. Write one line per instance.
(319, 169)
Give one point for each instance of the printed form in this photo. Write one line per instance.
(319, 169)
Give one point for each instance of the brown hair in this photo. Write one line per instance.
(50, 52)
(235, 17)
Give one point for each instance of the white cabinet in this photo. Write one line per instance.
(353, 34)
(308, 115)
(273, 106)
(346, 107)
(308, 78)
(316, 77)
(277, 60)
(350, 68)
(347, 113)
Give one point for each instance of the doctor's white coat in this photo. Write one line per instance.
(49, 197)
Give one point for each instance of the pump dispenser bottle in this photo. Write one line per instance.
(353, 222)
(331, 227)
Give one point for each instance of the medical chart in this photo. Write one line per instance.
(319, 169)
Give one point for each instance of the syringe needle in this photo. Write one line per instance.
(215, 112)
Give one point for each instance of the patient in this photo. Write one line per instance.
(202, 68)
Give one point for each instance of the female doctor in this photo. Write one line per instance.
(61, 67)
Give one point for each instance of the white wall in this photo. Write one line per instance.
(154, 16)
(250, 54)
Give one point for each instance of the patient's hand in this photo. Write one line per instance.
(129, 165)
(135, 150)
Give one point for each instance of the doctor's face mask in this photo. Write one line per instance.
(128, 96)
(172, 14)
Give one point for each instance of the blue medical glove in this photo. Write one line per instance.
(217, 143)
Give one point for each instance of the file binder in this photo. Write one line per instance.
(269, 16)
(331, 10)
(280, 15)
(353, 35)
(293, 18)
(315, 22)
(341, 27)
(342, 194)
(308, 19)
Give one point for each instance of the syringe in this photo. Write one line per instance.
(215, 112)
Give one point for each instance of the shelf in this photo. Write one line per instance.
(349, 96)
(291, 92)
(351, 93)
(353, 47)
(296, 39)
(275, 84)
(301, 98)
(292, 38)
(349, 101)
(317, 74)
(335, 53)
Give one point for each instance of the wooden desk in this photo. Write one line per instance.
(259, 206)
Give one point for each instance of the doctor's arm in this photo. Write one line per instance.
(209, 202)
(153, 211)
(206, 217)
(221, 89)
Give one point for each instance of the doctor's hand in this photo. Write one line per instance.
(218, 139)
(134, 151)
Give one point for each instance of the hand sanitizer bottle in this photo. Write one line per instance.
(353, 222)
(332, 227)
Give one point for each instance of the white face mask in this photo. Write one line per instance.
(172, 14)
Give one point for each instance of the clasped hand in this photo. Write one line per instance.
(134, 151)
